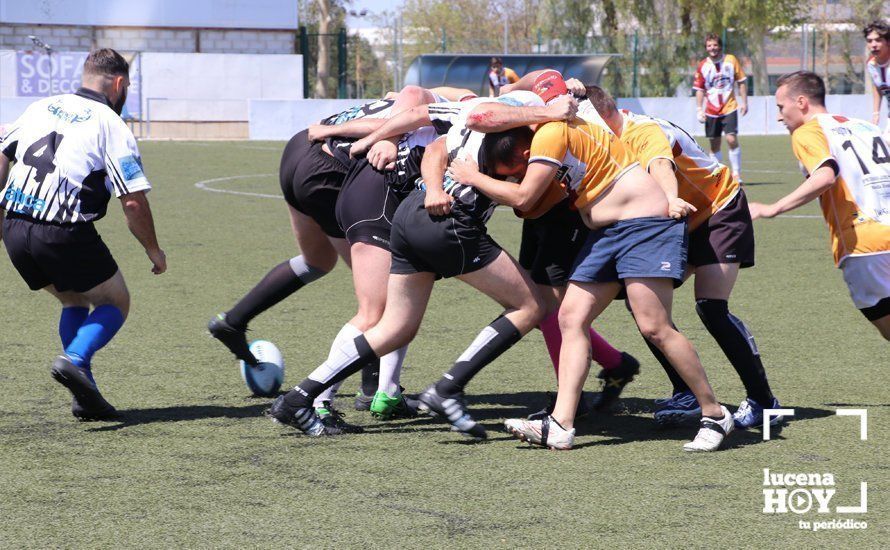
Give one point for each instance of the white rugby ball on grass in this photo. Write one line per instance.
(265, 378)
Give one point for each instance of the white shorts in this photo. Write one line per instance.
(867, 278)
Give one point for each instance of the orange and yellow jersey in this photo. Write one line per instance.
(510, 75)
(717, 79)
(589, 158)
(701, 181)
(857, 206)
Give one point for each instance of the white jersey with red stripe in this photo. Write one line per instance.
(880, 76)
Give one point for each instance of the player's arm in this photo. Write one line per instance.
(876, 105)
(819, 181)
(498, 117)
(141, 225)
(356, 128)
(432, 170)
(663, 172)
(453, 94)
(522, 197)
(743, 97)
(402, 123)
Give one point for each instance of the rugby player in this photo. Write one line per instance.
(634, 243)
(71, 152)
(877, 40)
(714, 85)
(439, 231)
(721, 241)
(847, 163)
(311, 176)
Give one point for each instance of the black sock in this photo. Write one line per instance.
(279, 283)
(304, 394)
(738, 345)
(494, 340)
(370, 378)
(676, 380)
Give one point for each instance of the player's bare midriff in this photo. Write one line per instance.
(634, 194)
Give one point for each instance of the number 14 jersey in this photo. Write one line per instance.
(71, 153)
(857, 206)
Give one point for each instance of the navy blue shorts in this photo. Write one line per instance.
(635, 248)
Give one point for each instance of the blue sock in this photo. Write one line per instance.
(97, 330)
(70, 321)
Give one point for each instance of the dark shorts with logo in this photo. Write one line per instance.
(727, 237)
(448, 246)
(366, 206)
(311, 180)
(71, 257)
(643, 248)
(715, 126)
(551, 243)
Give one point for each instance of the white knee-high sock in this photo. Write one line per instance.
(347, 334)
(735, 157)
(391, 371)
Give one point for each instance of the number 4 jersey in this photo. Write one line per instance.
(857, 206)
(71, 153)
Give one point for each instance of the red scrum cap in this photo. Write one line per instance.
(549, 85)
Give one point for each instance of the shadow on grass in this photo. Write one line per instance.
(136, 417)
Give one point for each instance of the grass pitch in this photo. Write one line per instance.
(194, 463)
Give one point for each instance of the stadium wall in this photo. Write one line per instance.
(280, 119)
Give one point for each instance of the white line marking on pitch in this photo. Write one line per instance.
(203, 185)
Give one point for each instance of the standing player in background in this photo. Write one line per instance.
(714, 85)
(71, 152)
(847, 163)
(499, 76)
(877, 40)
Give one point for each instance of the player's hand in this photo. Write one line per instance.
(759, 210)
(576, 87)
(463, 170)
(563, 108)
(318, 132)
(744, 109)
(383, 154)
(360, 146)
(700, 115)
(437, 202)
(158, 260)
(678, 208)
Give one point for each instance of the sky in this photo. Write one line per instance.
(373, 7)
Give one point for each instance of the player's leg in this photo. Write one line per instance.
(883, 323)
(731, 129)
(714, 133)
(713, 286)
(75, 309)
(869, 286)
(650, 300)
(409, 295)
(506, 283)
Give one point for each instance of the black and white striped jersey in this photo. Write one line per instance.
(339, 146)
(71, 153)
(461, 142)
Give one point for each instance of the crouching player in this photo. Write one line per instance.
(847, 163)
(635, 244)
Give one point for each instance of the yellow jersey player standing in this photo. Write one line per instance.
(848, 167)
(877, 40)
(714, 85)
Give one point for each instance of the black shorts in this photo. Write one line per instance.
(448, 246)
(311, 180)
(71, 257)
(366, 206)
(727, 237)
(877, 311)
(551, 243)
(726, 124)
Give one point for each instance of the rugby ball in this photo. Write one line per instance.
(265, 378)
